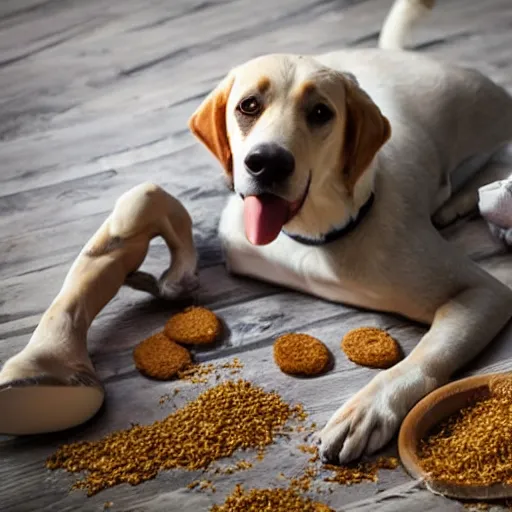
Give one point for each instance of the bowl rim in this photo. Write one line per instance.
(413, 428)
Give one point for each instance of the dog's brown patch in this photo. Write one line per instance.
(263, 84)
(208, 124)
(366, 131)
(304, 90)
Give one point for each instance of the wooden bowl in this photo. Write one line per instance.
(430, 411)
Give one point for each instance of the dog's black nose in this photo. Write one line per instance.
(269, 163)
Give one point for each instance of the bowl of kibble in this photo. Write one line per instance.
(458, 439)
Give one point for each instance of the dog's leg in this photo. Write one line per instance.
(181, 277)
(462, 327)
(464, 200)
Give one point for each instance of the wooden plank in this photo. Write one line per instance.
(94, 100)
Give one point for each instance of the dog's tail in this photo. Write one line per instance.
(401, 19)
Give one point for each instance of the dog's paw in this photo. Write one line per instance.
(175, 285)
(457, 207)
(371, 418)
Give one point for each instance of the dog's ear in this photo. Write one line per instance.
(366, 130)
(208, 124)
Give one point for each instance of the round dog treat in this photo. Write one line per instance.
(369, 346)
(160, 358)
(300, 354)
(194, 326)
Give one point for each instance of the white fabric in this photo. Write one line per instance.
(495, 204)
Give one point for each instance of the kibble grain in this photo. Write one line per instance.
(275, 500)
(230, 416)
(473, 446)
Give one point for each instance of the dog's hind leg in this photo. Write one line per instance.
(465, 182)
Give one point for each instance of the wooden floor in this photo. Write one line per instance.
(94, 98)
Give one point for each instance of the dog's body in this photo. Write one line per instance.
(309, 117)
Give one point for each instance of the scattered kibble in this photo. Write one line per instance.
(164, 398)
(197, 373)
(303, 483)
(206, 485)
(241, 465)
(473, 446)
(230, 416)
(200, 373)
(274, 500)
(360, 472)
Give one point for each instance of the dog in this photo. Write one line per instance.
(338, 163)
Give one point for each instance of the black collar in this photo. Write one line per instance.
(336, 233)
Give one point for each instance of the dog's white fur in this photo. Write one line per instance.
(443, 118)
(403, 16)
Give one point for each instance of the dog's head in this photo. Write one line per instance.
(295, 138)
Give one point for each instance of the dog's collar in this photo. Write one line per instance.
(336, 233)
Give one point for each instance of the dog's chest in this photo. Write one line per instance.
(323, 271)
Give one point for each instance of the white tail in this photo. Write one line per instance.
(400, 21)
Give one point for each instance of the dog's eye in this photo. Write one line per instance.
(249, 106)
(320, 114)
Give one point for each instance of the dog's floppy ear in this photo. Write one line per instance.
(208, 124)
(366, 130)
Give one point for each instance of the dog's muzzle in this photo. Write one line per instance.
(269, 164)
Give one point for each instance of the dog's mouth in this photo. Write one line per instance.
(266, 214)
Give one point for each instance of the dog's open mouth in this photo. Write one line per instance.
(266, 214)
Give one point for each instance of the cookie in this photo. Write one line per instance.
(369, 346)
(300, 354)
(160, 358)
(194, 326)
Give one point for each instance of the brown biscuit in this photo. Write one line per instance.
(194, 326)
(300, 354)
(160, 358)
(369, 346)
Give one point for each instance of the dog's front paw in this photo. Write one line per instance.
(175, 285)
(370, 419)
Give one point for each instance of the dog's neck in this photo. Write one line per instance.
(330, 211)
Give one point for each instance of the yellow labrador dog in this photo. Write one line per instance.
(338, 163)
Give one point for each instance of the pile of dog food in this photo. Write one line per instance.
(223, 419)
(232, 415)
(474, 446)
(275, 500)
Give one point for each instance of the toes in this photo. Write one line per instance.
(173, 287)
(377, 440)
(381, 435)
(170, 290)
(356, 441)
(356, 431)
(332, 440)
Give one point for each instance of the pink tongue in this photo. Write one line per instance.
(264, 216)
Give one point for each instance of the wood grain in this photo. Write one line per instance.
(94, 98)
